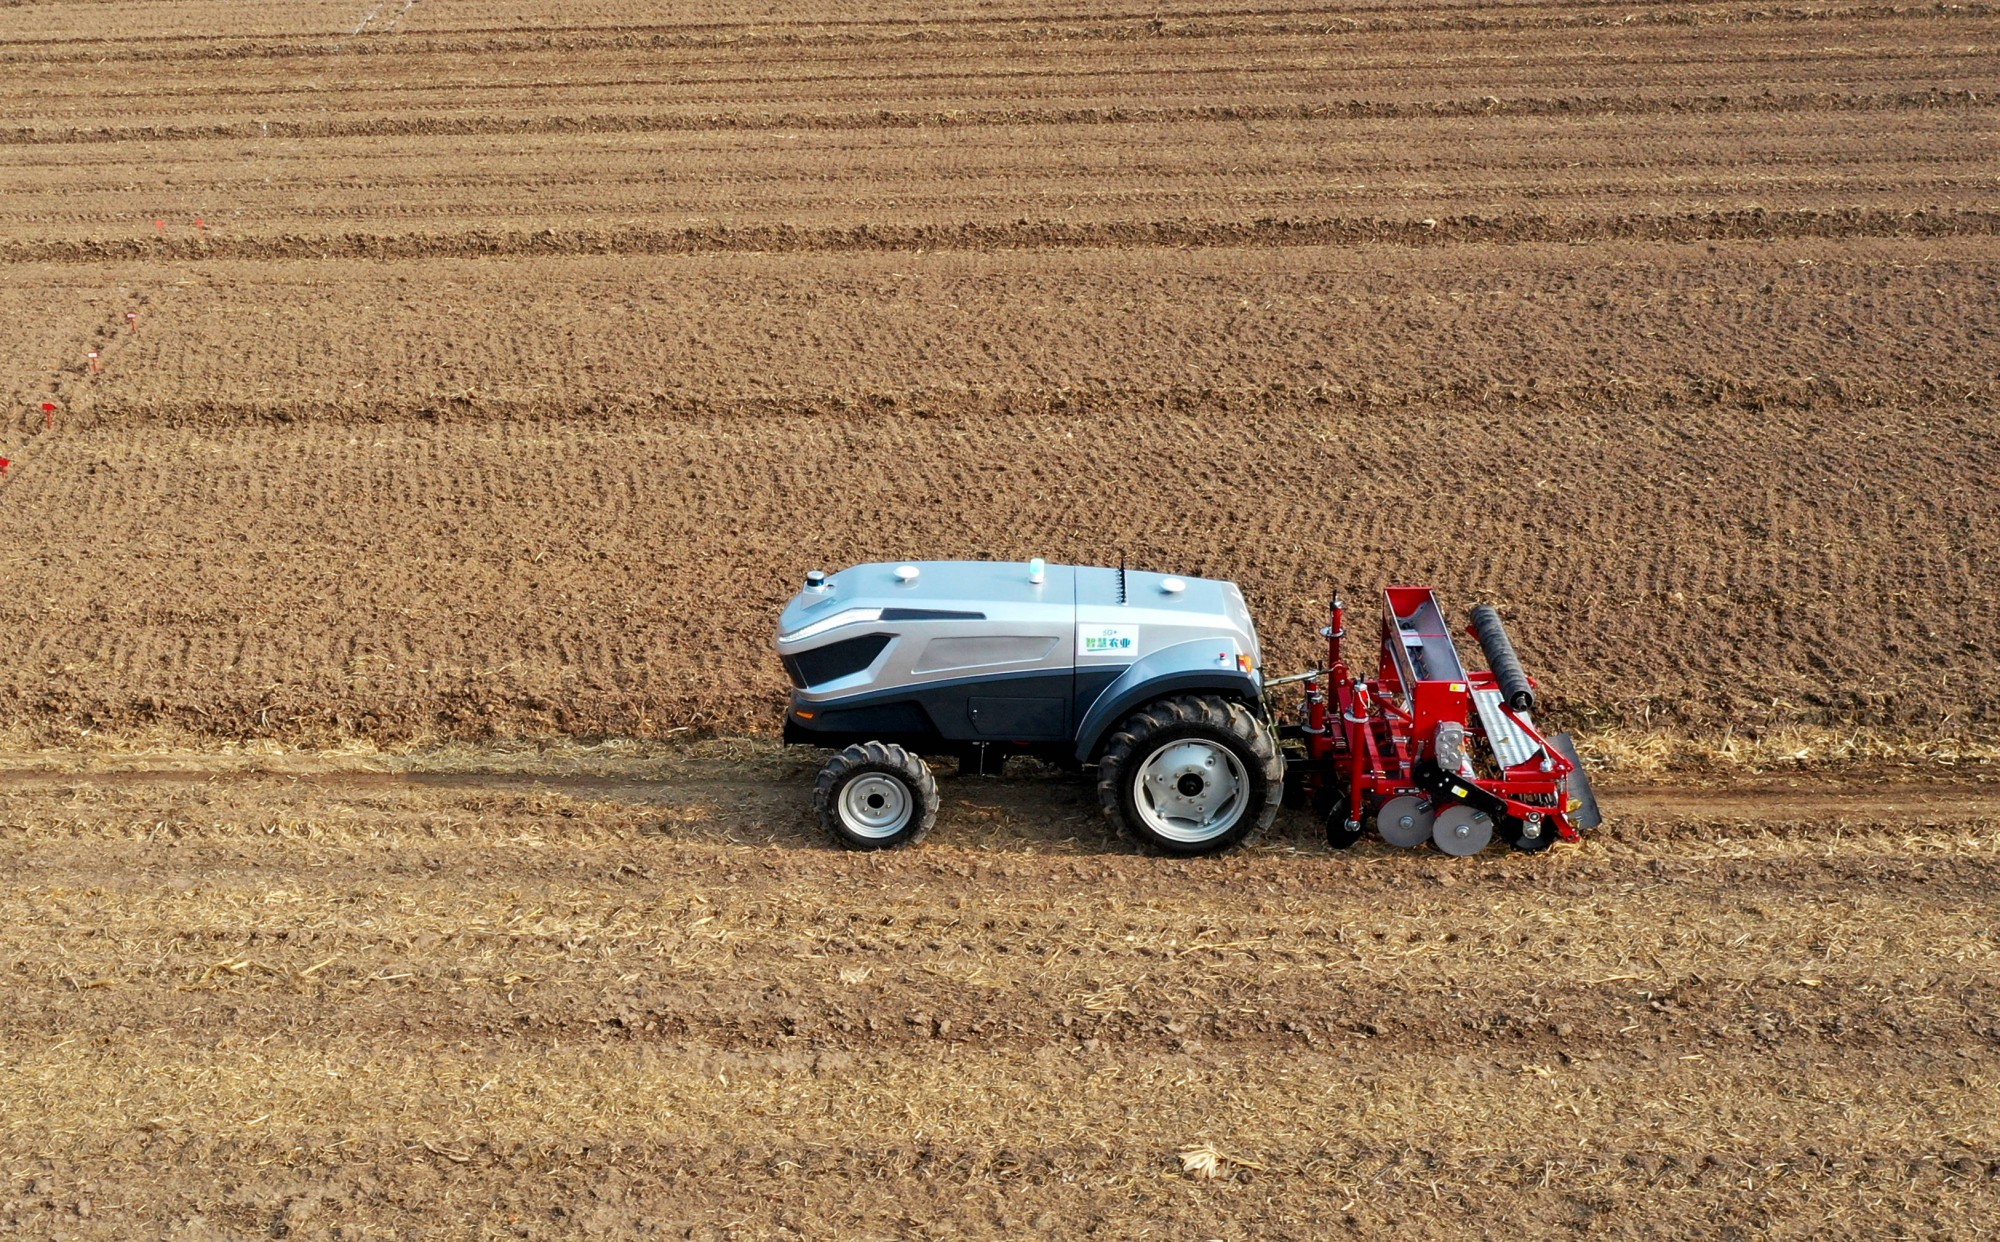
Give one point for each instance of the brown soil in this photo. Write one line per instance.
(1734, 487)
(527, 355)
(581, 998)
(521, 366)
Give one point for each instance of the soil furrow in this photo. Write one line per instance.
(887, 39)
(1747, 225)
(968, 118)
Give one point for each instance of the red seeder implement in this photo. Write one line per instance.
(1429, 750)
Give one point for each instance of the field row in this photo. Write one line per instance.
(1883, 110)
(360, 28)
(1872, 56)
(668, 1002)
(1794, 324)
(1010, 184)
(566, 494)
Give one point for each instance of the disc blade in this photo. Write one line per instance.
(1462, 831)
(1404, 822)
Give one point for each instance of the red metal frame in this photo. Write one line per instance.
(1368, 739)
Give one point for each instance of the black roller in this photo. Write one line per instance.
(1501, 659)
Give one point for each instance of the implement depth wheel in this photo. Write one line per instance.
(874, 796)
(1332, 806)
(1191, 774)
(1515, 833)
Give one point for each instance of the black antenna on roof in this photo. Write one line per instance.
(1121, 575)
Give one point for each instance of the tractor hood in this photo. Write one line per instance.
(887, 592)
(891, 591)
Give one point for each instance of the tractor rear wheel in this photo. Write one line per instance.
(1192, 774)
(875, 796)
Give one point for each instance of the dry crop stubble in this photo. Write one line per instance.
(371, 997)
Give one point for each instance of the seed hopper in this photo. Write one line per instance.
(1425, 748)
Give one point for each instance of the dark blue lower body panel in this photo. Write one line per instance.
(1024, 709)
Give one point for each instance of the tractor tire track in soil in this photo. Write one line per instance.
(650, 994)
(82, 365)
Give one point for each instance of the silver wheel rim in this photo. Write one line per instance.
(1191, 791)
(875, 806)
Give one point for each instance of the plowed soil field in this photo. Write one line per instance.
(500, 367)
(641, 997)
(491, 370)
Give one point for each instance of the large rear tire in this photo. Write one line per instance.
(1192, 774)
(875, 796)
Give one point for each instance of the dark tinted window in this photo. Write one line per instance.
(824, 664)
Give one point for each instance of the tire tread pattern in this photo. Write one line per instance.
(1191, 713)
(876, 757)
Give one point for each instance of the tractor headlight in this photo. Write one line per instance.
(1448, 746)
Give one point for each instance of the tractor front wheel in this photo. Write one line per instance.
(875, 796)
(1191, 774)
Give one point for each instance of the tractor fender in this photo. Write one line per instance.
(1192, 667)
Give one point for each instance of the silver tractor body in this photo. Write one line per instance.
(955, 656)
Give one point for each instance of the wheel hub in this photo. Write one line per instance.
(875, 805)
(1191, 790)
